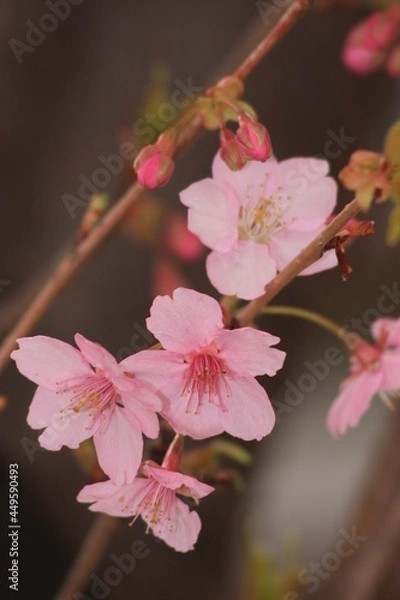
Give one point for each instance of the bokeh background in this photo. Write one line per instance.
(69, 102)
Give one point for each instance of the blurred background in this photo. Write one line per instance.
(73, 99)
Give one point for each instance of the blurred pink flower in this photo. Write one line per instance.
(206, 374)
(84, 393)
(181, 242)
(154, 498)
(374, 368)
(257, 220)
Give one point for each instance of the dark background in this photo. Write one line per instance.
(60, 110)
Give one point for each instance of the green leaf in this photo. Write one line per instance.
(393, 232)
(392, 143)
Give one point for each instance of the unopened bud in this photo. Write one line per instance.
(254, 139)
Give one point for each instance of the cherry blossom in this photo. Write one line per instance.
(84, 393)
(374, 369)
(205, 373)
(258, 219)
(154, 498)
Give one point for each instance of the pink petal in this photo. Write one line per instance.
(119, 446)
(46, 361)
(242, 272)
(44, 407)
(143, 404)
(94, 353)
(285, 245)
(247, 351)
(249, 414)
(155, 367)
(390, 365)
(200, 424)
(182, 528)
(387, 330)
(213, 214)
(353, 401)
(249, 182)
(186, 322)
(68, 429)
(174, 480)
(326, 262)
(311, 208)
(118, 501)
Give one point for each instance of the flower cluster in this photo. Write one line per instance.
(375, 43)
(202, 382)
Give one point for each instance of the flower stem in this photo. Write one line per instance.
(307, 315)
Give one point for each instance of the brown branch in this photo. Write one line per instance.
(70, 264)
(90, 554)
(304, 259)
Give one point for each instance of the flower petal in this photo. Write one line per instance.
(353, 401)
(115, 500)
(44, 407)
(249, 182)
(119, 446)
(68, 428)
(242, 272)
(213, 213)
(247, 351)
(186, 322)
(174, 480)
(180, 530)
(46, 361)
(390, 365)
(386, 330)
(249, 414)
(184, 415)
(155, 367)
(143, 404)
(286, 244)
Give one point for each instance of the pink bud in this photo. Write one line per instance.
(393, 65)
(153, 167)
(253, 138)
(231, 150)
(361, 60)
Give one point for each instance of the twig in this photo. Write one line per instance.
(89, 556)
(304, 259)
(70, 264)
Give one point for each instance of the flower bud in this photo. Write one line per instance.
(253, 138)
(231, 150)
(153, 167)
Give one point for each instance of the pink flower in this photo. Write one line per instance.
(84, 393)
(154, 498)
(373, 369)
(258, 219)
(206, 374)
